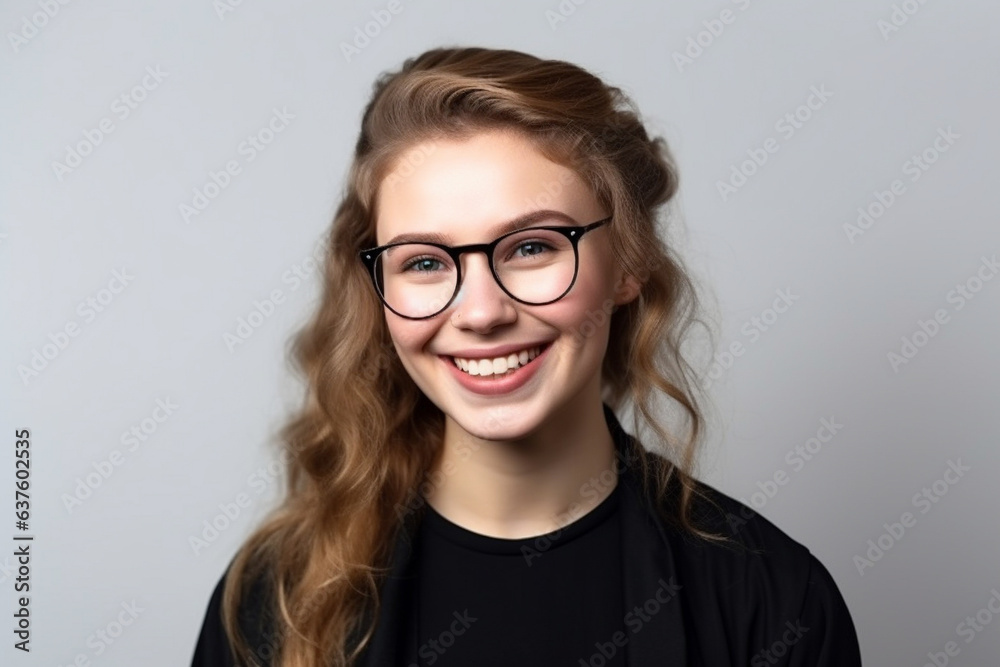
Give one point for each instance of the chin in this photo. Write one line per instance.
(504, 420)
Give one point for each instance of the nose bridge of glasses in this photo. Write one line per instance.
(475, 257)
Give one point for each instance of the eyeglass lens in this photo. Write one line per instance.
(534, 265)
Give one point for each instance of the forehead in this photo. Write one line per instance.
(464, 189)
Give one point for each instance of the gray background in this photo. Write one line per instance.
(163, 335)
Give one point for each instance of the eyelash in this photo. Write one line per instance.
(409, 265)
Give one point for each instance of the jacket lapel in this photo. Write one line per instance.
(652, 592)
(654, 622)
(396, 600)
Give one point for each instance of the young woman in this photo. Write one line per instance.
(460, 489)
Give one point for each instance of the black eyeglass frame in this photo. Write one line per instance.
(573, 233)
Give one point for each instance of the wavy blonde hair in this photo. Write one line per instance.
(365, 437)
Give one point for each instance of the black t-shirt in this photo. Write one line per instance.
(761, 598)
(553, 600)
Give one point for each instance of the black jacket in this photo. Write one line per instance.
(768, 601)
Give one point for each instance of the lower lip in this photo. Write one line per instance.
(493, 385)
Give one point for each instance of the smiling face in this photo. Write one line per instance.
(465, 190)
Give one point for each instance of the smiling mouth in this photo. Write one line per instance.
(498, 366)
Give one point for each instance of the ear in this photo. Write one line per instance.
(627, 289)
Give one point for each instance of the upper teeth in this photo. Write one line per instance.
(498, 365)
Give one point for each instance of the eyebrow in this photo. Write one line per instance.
(520, 222)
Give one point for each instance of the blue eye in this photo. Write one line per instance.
(533, 243)
(418, 260)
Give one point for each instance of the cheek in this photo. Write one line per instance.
(584, 315)
(408, 337)
(588, 296)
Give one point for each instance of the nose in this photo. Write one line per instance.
(480, 304)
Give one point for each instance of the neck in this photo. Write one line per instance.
(530, 486)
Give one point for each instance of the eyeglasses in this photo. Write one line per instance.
(535, 266)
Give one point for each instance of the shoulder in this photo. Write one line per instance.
(773, 588)
(750, 536)
(213, 647)
(754, 553)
